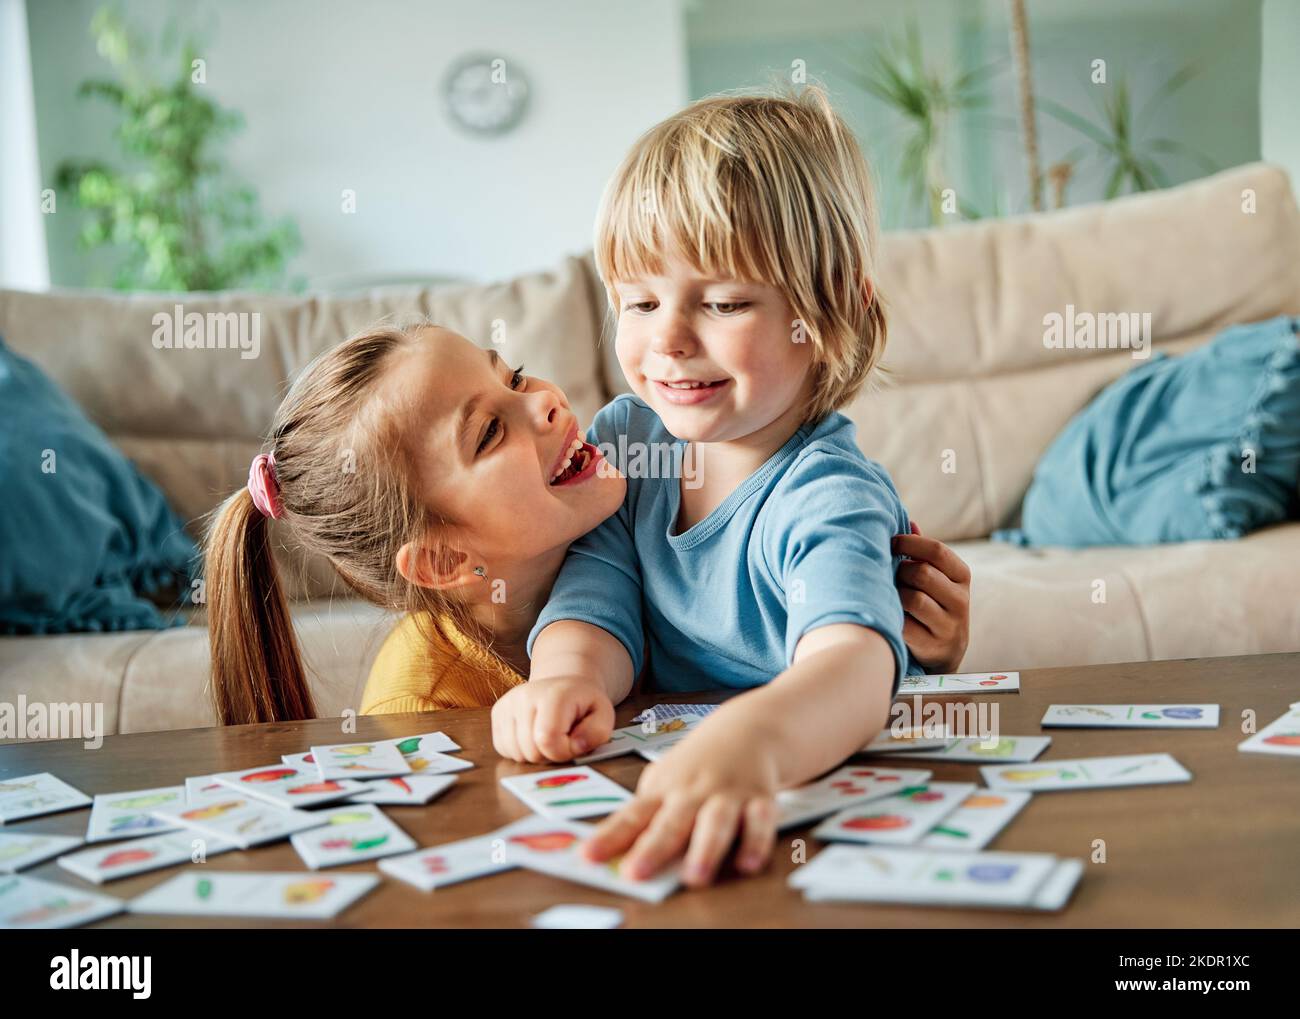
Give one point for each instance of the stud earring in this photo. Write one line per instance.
(480, 571)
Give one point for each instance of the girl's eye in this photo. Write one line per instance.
(728, 307)
(487, 436)
(517, 377)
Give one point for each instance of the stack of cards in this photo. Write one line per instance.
(34, 795)
(901, 819)
(246, 893)
(1281, 736)
(1131, 716)
(567, 793)
(966, 682)
(933, 878)
(1087, 773)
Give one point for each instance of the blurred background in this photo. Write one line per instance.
(327, 145)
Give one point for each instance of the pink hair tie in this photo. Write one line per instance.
(263, 487)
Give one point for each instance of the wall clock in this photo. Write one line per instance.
(486, 95)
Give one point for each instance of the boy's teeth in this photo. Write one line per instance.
(686, 385)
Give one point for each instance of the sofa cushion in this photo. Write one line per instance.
(1034, 608)
(1204, 446)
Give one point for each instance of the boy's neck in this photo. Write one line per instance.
(722, 467)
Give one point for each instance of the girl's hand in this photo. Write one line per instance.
(554, 719)
(934, 585)
(715, 785)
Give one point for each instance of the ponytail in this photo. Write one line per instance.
(257, 671)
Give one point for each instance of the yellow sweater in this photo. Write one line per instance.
(413, 673)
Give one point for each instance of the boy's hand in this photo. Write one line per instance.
(555, 719)
(697, 799)
(934, 585)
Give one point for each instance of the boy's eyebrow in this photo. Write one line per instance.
(467, 411)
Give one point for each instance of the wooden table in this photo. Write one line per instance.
(1220, 851)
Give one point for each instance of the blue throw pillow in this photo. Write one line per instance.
(82, 533)
(1197, 447)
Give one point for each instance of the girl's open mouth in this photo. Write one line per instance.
(690, 392)
(582, 465)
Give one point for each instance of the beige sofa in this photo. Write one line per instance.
(974, 399)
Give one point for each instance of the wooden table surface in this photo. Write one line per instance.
(1220, 851)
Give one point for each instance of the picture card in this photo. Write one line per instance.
(926, 877)
(977, 821)
(663, 712)
(426, 754)
(846, 786)
(199, 788)
(1280, 736)
(918, 737)
(130, 815)
(19, 850)
(288, 785)
(1086, 773)
(901, 819)
(556, 850)
(351, 833)
(249, 893)
(977, 750)
(360, 760)
(965, 682)
(36, 795)
(643, 737)
(242, 820)
(108, 863)
(29, 903)
(462, 860)
(404, 790)
(1131, 716)
(567, 792)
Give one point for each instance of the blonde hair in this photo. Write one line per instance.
(771, 188)
(356, 518)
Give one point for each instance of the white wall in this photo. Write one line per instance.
(23, 262)
(347, 95)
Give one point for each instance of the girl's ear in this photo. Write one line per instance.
(437, 566)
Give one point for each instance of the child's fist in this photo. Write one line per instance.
(555, 719)
(934, 586)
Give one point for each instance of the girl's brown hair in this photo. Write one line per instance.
(346, 482)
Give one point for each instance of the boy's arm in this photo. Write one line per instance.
(571, 647)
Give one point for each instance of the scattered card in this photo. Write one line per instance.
(410, 789)
(242, 820)
(567, 793)
(578, 918)
(902, 819)
(975, 749)
(966, 682)
(35, 795)
(249, 893)
(351, 833)
(927, 877)
(200, 788)
(919, 737)
(28, 848)
(1087, 773)
(28, 903)
(977, 821)
(642, 737)
(288, 785)
(360, 760)
(462, 860)
(1281, 736)
(555, 850)
(108, 863)
(130, 815)
(843, 787)
(664, 712)
(1131, 716)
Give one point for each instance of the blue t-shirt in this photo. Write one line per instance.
(803, 542)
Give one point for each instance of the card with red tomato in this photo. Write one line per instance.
(567, 793)
(964, 682)
(284, 785)
(108, 863)
(1281, 736)
(901, 820)
(557, 850)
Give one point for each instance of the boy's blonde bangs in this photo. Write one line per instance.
(772, 189)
